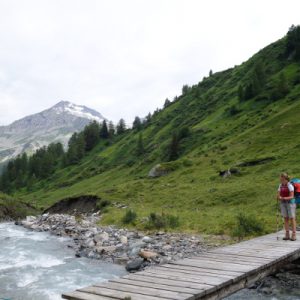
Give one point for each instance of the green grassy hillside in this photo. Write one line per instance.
(243, 114)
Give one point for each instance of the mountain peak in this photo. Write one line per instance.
(62, 103)
(80, 111)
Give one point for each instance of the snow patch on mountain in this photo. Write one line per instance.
(78, 111)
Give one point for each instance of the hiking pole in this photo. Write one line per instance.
(277, 219)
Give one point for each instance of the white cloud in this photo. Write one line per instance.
(124, 58)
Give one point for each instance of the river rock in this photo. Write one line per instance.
(108, 249)
(138, 244)
(104, 236)
(148, 254)
(123, 239)
(30, 219)
(90, 243)
(147, 239)
(167, 247)
(134, 265)
(122, 260)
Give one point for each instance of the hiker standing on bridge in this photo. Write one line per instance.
(287, 205)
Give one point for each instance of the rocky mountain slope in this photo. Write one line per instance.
(55, 124)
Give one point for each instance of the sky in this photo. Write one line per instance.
(125, 57)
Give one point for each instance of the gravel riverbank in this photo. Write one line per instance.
(134, 249)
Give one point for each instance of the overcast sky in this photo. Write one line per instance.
(125, 57)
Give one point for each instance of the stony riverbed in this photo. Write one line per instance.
(134, 249)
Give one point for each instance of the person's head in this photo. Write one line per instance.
(284, 178)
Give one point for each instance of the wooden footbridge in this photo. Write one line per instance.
(212, 275)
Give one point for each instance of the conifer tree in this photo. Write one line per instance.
(148, 118)
(80, 146)
(167, 103)
(111, 129)
(91, 135)
(140, 145)
(174, 147)
(282, 86)
(241, 93)
(121, 127)
(185, 89)
(76, 149)
(104, 130)
(137, 124)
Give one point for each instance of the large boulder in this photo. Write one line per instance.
(158, 170)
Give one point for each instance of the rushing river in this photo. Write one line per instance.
(40, 266)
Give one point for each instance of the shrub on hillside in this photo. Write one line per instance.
(102, 204)
(247, 225)
(129, 217)
(233, 110)
(162, 221)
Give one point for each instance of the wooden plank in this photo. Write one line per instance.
(117, 294)
(215, 265)
(273, 242)
(129, 288)
(263, 247)
(258, 255)
(266, 244)
(229, 259)
(250, 252)
(158, 286)
(232, 257)
(172, 282)
(196, 278)
(202, 270)
(191, 272)
(241, 255)
(85, 296)
(182, 279)
(226, 260)
(270, 249)
(266, 254)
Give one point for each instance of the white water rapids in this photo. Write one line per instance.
(40, 266)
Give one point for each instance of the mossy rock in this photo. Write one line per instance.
(163, 169)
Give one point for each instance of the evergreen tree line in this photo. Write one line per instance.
(23, 171)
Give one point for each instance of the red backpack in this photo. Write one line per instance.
(296, 183)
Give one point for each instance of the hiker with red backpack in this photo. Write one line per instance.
(287, 205)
